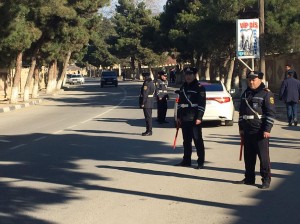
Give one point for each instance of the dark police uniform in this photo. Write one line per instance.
(256, 116)
(162, 98)
(191, 107)
(146, 102)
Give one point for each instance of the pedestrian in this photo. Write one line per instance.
(288, 68)
(290, 94)
(172, 75)
(123, 75)
(191, 107)
(162, 97)
(256, 119)
(146, 101)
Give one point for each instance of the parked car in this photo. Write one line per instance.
(109, 78)
(75, 79)
(219, 104)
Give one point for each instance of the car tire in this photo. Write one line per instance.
(229, 123)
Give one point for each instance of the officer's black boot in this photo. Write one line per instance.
(183, 163)
(265, 183)
(199, 167)
(246, 181)
(147, 133)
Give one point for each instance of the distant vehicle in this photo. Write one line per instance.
(219, 104)
(73, 79)
(109, 78)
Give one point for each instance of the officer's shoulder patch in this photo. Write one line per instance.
(272, 100)
(267, 90)
(145, 87)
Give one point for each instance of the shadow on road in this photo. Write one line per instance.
(54, 161)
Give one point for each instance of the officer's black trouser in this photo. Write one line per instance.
(255, 144)
(162, 107)
(148, 118)
(189, 133)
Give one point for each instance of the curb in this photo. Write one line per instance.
(20, 106)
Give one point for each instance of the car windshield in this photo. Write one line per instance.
(212, 86)
(77, 76)
(108, 74)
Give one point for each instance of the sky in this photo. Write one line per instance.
(156, 8)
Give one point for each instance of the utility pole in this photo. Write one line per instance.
(262, 36)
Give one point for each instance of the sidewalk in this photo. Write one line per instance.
(6, 106)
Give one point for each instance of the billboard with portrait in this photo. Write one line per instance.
(247, 38)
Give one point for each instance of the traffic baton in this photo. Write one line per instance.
(241, 147)
(174, 144)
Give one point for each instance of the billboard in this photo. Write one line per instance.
(247, 38)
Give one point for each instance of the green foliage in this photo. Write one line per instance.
(135, 32)
(282, 26)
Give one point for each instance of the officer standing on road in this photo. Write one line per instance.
(146, 101)
(191, 107)
(256, 119)
(162, 97)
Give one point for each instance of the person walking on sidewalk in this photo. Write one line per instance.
(191, 107)
(256, 119)
(146, 101)
(288, 69)
(162, 97)
(290, 94)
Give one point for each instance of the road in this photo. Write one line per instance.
(79, 158)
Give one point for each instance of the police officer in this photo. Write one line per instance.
(146, 101)
(256, 119)
(191, 107)
(162, 97)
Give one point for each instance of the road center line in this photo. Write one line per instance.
(16, 147)
(38, 139)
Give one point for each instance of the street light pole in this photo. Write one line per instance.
(262, 36)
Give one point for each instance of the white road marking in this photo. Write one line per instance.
(16, 147)
(3, 140)
(38, 139)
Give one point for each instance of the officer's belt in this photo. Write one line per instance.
(162, 91)
(251, 117)
(188, 105)
(150, 95)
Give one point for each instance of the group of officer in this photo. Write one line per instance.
(256, 119)
(149, 91)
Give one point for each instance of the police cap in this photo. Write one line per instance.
(255, 74)
(190, 70)
(162, 72)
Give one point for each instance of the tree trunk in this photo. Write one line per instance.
(132, 63)
(243, 79)
(29, 79)
(207, 68)
(51, 81)
(35, 89)
(17, 78)
(229, 76)
(64, 70)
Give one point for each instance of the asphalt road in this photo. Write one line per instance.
(80, 158)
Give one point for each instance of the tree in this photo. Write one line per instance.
(132, 23)
(18, 32)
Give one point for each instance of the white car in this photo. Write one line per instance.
(219, 104)
(75, 79)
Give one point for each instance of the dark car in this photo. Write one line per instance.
(109, 78)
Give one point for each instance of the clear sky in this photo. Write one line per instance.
(155, 8)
